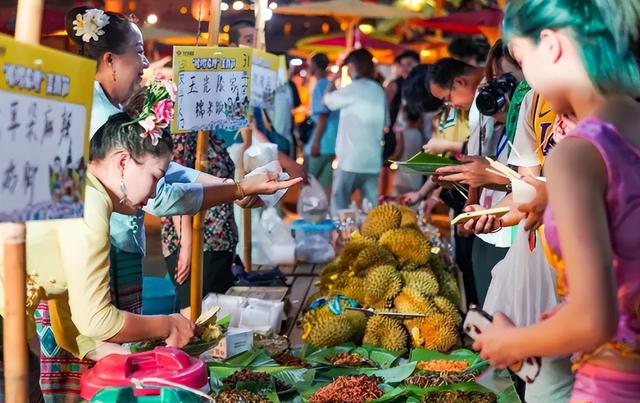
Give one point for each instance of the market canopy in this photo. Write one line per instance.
(347, 8)
(337, 42)
(464, 22)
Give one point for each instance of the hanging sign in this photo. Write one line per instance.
(45, 104)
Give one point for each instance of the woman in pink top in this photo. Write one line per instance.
(578, 55)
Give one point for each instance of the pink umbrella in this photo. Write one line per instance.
(359, 40)
(464, 22)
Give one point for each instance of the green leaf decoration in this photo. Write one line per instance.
(251, 358)
(383, 358)
(427, 163)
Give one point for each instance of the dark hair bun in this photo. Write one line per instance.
(116, 37)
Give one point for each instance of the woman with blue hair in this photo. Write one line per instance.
(578, 55)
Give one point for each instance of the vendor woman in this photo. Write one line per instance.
(115, 42)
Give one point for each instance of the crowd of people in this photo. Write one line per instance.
(555, 99)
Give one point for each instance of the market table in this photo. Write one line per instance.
(300, 280)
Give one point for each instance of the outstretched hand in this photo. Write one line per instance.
(266, 184)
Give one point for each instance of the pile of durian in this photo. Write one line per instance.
(388, 266)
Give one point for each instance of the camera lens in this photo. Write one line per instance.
(489, 103)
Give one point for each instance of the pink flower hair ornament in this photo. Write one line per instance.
(157, 111)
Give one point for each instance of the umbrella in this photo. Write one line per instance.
(351, 11)
(336, 42)
(464, 22)
(347, 8)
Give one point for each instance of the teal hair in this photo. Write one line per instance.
(605, 31)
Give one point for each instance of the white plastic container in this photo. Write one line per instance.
(314, 242)
(262, 316)
(229, 305)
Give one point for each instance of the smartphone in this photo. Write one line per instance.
(477, 320)
(464, 217)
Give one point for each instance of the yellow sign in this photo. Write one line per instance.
(45, 102)
(264, 78)
(214, 86)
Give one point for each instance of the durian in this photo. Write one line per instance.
(425, 282)
(380, 220)
(352, 249)
(371, 257)
(386, 333)
(448, 284)
(414, 227)
(354, 288)
(330, 332)
(358, 322)
(447, 308)
(382, 284)
(434, 332)
(409, 216)
(407, 245)
(411, 301)
(313, 316)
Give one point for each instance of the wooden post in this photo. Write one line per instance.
(246, 213)
(261, 6)
(439, 13)
(14, 343)
(201, 157)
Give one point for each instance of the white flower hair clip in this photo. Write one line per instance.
(90, 25)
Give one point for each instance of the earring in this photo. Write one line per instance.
(123, 189)
(113, 74)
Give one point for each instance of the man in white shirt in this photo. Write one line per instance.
(360, 130)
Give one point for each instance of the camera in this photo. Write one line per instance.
(493, 98)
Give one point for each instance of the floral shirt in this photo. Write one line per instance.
(220, 231)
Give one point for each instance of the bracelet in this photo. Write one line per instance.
(240, 192)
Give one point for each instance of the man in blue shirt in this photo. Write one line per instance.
(321, 148)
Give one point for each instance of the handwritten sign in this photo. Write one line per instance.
(45, 102)
(213, 88)
(264, 79)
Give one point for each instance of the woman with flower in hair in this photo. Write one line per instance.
(68, 261)
(578, 55)
(116, 44)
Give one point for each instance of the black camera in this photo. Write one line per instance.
(493, 98)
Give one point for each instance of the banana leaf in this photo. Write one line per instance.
(251, 358)
(288, 375)
(476, 364)
(266, 389)
(383, 358)
(194, 348)
(389, 375)
(508, 395)
(427, 163)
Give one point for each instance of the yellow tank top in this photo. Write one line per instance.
(542, 118)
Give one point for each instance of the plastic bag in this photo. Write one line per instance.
(313, 204)
(315, 248)
(259, 154)
(522, 284)
(523, 287)
(272, 167)
(272, 243)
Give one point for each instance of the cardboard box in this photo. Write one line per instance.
(236, 341)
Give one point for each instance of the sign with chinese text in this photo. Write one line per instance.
(45, 102)
(213, 88)
(264, 79)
